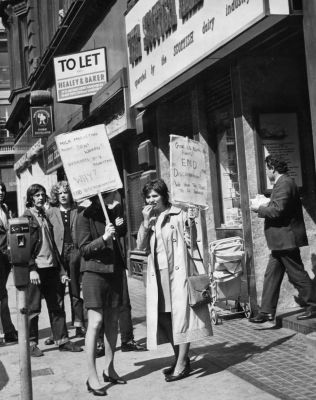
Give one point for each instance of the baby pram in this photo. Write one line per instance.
(227, 258)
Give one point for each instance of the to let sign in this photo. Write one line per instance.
(88, 162)
(41, 121)
(188, 177)
(80, 75)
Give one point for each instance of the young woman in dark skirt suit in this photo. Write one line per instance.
(102, 283)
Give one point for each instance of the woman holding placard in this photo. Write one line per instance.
(164, 234)
(102, 282)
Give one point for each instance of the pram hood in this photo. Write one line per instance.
(227, 258)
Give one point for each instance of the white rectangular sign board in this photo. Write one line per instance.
(167, 37)
(88, 162)
(80, 75)
(188, 177)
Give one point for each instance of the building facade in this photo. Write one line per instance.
(232, 75)
(42, 36)
(7, 175)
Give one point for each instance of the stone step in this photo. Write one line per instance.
(287, 319)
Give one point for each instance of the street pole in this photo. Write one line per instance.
(19, 245)
(24, 348)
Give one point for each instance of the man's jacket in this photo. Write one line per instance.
(284, 225)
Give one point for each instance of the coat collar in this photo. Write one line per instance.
(174, 210)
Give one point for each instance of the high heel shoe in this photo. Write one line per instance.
(115, 381)
(169, 370)
(183, 374)
(96, 392)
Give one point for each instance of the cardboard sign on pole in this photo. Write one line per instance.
(88, 162)
(188, 178)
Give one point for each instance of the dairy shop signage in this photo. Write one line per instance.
(167, 37)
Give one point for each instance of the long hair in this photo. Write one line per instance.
(31, 192)
(54, 192)
(159, 186)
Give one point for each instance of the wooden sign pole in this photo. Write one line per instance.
(107, 219)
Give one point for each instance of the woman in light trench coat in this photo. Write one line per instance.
(164, 235)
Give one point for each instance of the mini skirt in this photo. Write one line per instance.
(103, 290)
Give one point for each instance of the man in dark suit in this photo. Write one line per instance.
(285, 233)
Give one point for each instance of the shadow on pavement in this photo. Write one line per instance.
(226, 354)
(4, 379)
(208, 360)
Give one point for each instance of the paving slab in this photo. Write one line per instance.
(241, 361)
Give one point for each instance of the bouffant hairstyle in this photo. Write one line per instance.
(159, 186)
(279, 165)
(31, 191)
(54, 192)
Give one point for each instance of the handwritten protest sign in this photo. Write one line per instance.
(88, 162)
(188, 178)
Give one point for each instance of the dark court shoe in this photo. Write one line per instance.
(262, 317)
(11, 337)
(96, 392)
(49, 341)
(70, 346)
(132, 346)
(80, 332)
(307, 315)
(183, 374)
(115, 381)
(100, 351)
(169, 370)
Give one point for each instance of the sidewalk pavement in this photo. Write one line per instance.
(241, 361)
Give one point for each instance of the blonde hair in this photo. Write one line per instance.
(54, 192)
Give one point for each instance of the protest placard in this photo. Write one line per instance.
(88, 162)
(188, 178)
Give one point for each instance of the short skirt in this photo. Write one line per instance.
(103, 290)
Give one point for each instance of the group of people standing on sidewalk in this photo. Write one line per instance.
(79, 246)
(55, 260)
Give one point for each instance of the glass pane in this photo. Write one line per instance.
(4, 70)
(228, 170)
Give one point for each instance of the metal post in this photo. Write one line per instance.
(24, 347)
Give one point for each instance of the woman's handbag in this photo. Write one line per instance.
(199, 290)
(198, 286)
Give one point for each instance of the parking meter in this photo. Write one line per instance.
(20, 250)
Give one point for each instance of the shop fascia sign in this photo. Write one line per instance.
(80, 75)
(167, 37)
(29, 156)
(53, 156)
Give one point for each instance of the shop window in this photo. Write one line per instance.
(227, 169)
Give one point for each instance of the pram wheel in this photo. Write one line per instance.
(246, 310)
(214, 316)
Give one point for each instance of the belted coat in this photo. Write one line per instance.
(188, 324)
